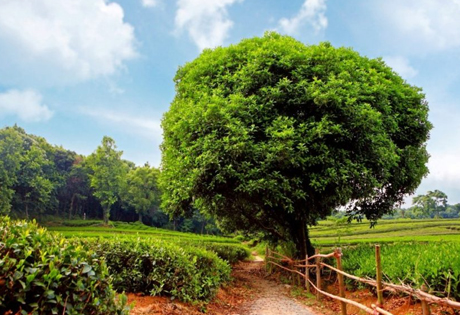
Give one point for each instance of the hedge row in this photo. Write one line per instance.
(228, 252)
(156, 267)
(43, 273)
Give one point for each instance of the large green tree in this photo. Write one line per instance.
(430, 204)
(271, 135)
(34, 186)
(108, 174)
(29, 172)
(142, 191)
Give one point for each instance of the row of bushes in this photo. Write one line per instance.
(232, 253)
(43, 273)
(156, 267)
(435, 264)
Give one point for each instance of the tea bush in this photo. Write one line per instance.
(43, 273)
(156, 267)
(435, 264)
(229, 252)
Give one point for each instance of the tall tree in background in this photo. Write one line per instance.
(10, 155)
(430, 204)
(34, 186)
(270, 135)
(108, 171)
(142, 191)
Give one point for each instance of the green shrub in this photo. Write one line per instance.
(43, 273)
(156, 267)
(228, 252)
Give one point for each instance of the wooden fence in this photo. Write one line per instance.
(303, 267)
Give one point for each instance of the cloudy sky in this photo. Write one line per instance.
(73, 71)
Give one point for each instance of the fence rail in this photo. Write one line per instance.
(273, 258)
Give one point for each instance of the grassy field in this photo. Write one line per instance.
(94, 228)
(330, 233)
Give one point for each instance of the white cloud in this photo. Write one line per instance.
(401, 66)
(138, 124)
(149, 3)
(58, 42)
(27, 105)
(206, 21)
(444, 175)
(420, 26)
(444, 168)
(312, 12)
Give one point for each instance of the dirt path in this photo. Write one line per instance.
(269, 297)
(249, 294)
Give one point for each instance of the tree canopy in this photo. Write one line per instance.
(142, 191)
(270, 135)
(108, 175)
(10, 154)
(430, 204)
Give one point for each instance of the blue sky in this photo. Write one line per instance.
(73, 71)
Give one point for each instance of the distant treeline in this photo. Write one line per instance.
(39, 180)
(431, 205)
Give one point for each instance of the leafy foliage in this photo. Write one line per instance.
(271, 135)
(42, 273)
(155, 267)
(231, 253)
(28, 176)
(142, 191)
(108, 174)
(45, 182)
(430, 204)
(10, 153)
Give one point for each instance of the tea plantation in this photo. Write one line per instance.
(77, 269)
(330, 233)
(414, 252)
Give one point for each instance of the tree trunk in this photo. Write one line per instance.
(106, 215)
(71, 206)
(299, 233)
(27, 211)
(140, 217)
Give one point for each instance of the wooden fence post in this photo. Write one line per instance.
(298, 277)
(379, 276)
(425, 306)
(266, 259)
(307, 275)
(338, 256)
(318, 275)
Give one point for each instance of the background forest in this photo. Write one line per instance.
(39, 180)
